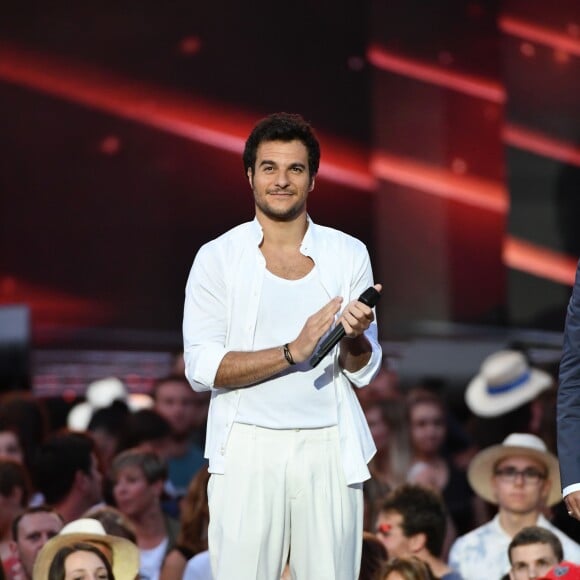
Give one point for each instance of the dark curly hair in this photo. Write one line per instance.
(283, 127)
(423, 512)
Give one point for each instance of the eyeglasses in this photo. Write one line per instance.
(529, 475)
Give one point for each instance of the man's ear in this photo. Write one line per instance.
(312, 184)
(13, 547)
(494, 488)
(250, 175)
(546, 487)
(80, 480)
(417, 542)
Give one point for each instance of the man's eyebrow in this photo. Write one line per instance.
(293, 164)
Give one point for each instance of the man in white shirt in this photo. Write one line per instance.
(287, 443)
(521, 477)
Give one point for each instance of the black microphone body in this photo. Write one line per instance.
(370, 297)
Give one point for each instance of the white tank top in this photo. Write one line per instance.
(299, 397)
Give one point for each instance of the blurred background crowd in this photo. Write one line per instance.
(134, 461)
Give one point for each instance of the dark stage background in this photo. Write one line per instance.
(450, 134)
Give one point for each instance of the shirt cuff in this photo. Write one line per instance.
(570, 489)
(206, 365)
(365, 375)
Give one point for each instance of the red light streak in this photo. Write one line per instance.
(539, 34)
(171, 112)
(541, 144)
(476, 86)
(212, 125)
(477, 191)
(542, 262)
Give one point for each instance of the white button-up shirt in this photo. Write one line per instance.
(222, 298)
(482, 553)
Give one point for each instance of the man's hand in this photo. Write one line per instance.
(315, 327)
(572, 501)
(357, 317)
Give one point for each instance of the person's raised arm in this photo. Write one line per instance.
(355, 349)
(243, 369)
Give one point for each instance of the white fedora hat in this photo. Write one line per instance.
(125, 554)
(504, 383)
(482, 465)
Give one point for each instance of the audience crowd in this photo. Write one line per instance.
(121, 493)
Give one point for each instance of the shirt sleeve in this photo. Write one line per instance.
(568, 404)
(362, 279)
(570, 489)
(204, 320)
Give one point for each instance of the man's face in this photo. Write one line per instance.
(520, 485)
(281, 180)
(531, 561)
(34, 530)
(390, 532)
(177, 402)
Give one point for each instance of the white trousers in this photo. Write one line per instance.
(284, 493)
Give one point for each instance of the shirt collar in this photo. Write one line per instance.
(307, 246)
(541, 521)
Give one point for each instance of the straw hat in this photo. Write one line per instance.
(125, 553)
(482, 465)
(504, 383)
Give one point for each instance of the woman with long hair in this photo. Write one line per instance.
(194, 520)
(432, 466)
(77, 560)
(389, 467)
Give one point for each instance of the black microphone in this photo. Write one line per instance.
(370, 297)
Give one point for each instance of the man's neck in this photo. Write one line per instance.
(283, 233)
(511, 523)
(70, 509)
